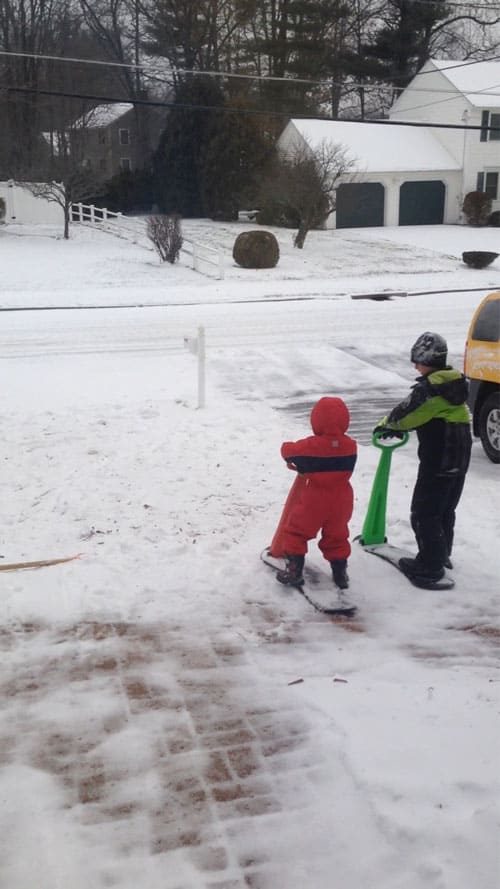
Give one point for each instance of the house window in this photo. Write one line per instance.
(124, 137)
(495, 122)
(488, 182)
(490, 127)
(102, 163)
(125, 163)
(101, 136)
(491, 185)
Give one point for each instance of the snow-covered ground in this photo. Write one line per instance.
(171, 717)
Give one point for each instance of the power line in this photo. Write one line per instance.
(489, 7)
(47, 58)
(152, 103)
(263, 77)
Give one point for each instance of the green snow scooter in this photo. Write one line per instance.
(373, 538)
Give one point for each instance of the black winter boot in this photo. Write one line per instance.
(415, 568)
(292, 574)
(339, 573)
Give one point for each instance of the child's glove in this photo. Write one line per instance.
(383, 431)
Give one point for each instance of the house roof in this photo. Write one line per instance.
(102, 115)
(379, 147)
(478, 81)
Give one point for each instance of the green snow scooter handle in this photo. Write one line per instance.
(374, 525)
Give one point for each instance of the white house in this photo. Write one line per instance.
(399, 175)
(463, 93)
(417, 175)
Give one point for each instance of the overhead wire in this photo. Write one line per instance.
(487, 92)
(454, 5)
(256, 77)
(111, 100)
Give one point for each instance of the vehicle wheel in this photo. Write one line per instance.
(489, 426)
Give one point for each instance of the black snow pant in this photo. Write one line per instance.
(433, 506)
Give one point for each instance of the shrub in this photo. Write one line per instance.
(2, 209)
(256, 250)
(130, 191)
(165, 233)
(494, 219)
(279, 213)
(477, 207)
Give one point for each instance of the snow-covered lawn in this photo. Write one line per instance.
(171, 717)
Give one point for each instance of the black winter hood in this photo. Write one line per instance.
(450, 384)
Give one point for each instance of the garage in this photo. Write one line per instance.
(421, 203)
(360, 204)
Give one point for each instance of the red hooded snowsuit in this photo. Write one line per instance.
(326, 460)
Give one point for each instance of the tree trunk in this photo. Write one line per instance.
(301, 235)
(66, 208)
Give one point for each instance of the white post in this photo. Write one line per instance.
(201, 367)
(80, 212)
(92, 214)
(11, 209)
(221, 266)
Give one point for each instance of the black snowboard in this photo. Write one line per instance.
(318, 588)
(393, 554)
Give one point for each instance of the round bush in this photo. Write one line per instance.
(494, 219)
(477, 207)
(256, 250)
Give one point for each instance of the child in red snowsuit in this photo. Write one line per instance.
(326, 461)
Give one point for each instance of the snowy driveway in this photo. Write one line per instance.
(170, 717)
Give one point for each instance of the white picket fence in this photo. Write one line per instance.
(201, 258)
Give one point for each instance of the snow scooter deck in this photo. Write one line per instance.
(317, 588)
(372, 537)
(393, 554)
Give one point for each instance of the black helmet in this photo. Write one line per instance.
(430, 349)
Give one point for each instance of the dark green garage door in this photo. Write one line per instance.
(421, 203)
(360, 204)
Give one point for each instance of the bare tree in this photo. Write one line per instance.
(25, 26)
(304, 184)
(165, 233)
(76, 185)
(117, 30)
(64, 178)
(410, 32)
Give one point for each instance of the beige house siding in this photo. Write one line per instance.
(111, 148)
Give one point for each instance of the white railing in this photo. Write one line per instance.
(92, 214)
(114, 223)
(201, 258)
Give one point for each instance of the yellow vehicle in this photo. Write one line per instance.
(482, 368)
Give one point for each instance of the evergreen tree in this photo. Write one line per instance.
(401, 46)
(176, 164)
(233, 155)
(294, 39)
